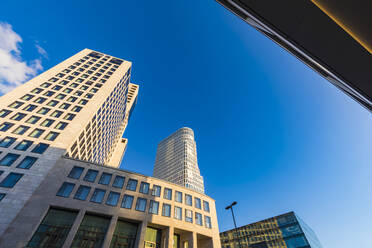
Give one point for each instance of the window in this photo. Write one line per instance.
(18, 116)
(40, 148)
(132, 185)
(51, 136)
(66, 189)
(154, 207)
(144, 188)
(78, 93)
(37, 90)
(27, 97)
(71, 99)
(91, 175)
(53, 103)
(11, 180)
(156, 189)
(197, 203)
(69, 117)
(178, 213)
(49, 93)
(127, 201)
(16, 104)
(27, 162)
(4, 113)
(57, 87)
(5, 126)
(30, 107)
(46, 85)
(67, 90)
(33, 119)
(56, 114)
(83, 102)
(20, 130)
(141, 204)
(43, 111)
(168, 193)
(98, 195)
(178, 196)
(2, 195)
(188, 215)
(23, 145)
(113, 199)
(82, 193)
(207, 221)
(118, 182)
(65, 106)
(206, 206)
(7, 141)
(166, 210)
(47, 123)
(60, 96)
(9, 159)
(198, 219)
(105, 179)
(40, 100)
(76, 172)
(61, 125)
(76, 109)
(36, 133)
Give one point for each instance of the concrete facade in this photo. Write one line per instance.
(62, 109)
(192, 235)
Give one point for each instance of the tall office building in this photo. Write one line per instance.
(77, 109)
(176, 160)
(283, 231)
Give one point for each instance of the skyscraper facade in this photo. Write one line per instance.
(283, 231)
(176, 160)
(77, 109)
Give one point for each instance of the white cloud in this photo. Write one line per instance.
(41, 51)
(13, 69)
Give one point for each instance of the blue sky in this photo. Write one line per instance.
(271, 134)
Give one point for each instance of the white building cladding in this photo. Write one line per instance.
(176, 160)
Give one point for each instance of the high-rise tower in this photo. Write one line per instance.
(78, 109)
(176, 160)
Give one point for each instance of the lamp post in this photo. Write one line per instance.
(232, 212)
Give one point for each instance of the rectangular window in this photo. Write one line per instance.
(206, 206)
(5, 126)
(207, 221)
(61, 125)
(197, 203)
(76, 172)
(113, 199)
(98, 195)
(168, 193)
(9, 159)
(20, 130)
(40, 100)
(118, 182)
(188, 215)
(40, 148)
(65, 106)
(4, 113)
(178, 196)
(47, 123)
(132, 184)
(18, 116)
(27, 162)
(51, 136)
(91, 175)
(53, 103)
(11, 180)
(154, 207)
(105, 178)
(198, 219)
(27, 97)
(82, 193)
(156, 189)
(127, 201)
(43, 111)
(166, 210)
(178, 213)
(144, 188)
(15, 105)
(60, 96)
(56, 114)
(66, 189)
(141, 204)
(23, 145)
(33, 119)
(36, 133)
(69, 117)
(30, 107)
(53, 230)
(7, 141)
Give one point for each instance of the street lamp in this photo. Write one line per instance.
(232, 212)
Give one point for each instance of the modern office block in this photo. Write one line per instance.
(176, 160)
(78, 109)
(334, 38)
(83, 204)
(283, 231)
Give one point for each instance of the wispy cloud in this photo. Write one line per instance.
(13, 69)
(41, 51)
